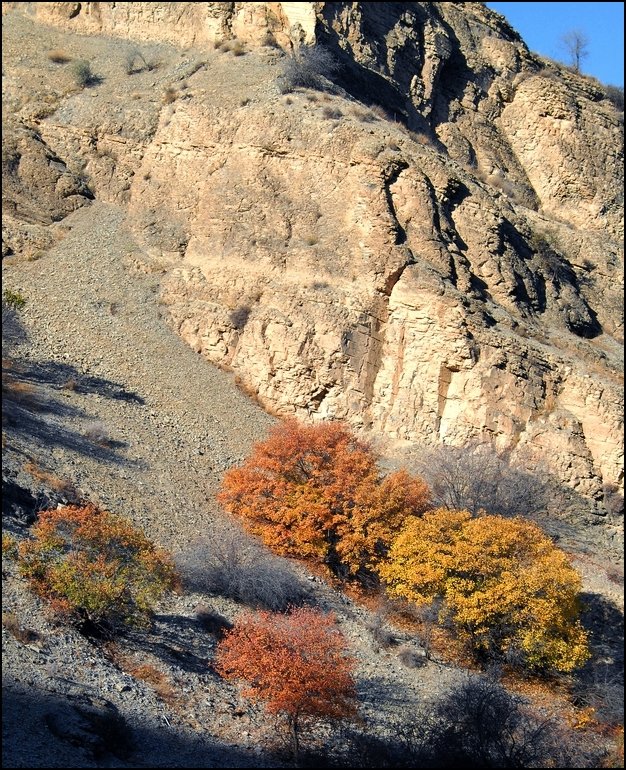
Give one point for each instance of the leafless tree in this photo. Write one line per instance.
(475, 477)
(575, 42)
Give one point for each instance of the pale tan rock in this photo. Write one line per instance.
(462, 280)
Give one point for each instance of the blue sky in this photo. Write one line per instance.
(541, 26)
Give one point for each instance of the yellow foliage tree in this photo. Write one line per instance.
(502, 582)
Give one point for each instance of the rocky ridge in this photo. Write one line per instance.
(450, 273)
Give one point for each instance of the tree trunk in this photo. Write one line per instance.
(296, 741)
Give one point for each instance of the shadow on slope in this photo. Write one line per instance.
(48, 729)
(600, 684)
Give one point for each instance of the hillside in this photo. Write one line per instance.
(424, 243)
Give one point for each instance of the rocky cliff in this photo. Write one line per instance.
(427, 247)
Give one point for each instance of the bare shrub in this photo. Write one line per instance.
(365, 116)
(480, 724)
(308, 67)
(59, 57)
(238, 48)
(170, 95)
(615, 94)
(427, 617)
(382, 636)
(601, 688)
(21, 633)
(613, 500)
(411, 658)
(239, 316)
(230, 563)
(380, 112)
(82, 73)
(476, 477)
(97, 432)
(135, 61)
(268, 40)
(576, 45)
(332, 113)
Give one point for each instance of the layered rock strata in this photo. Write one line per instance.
(447, 271)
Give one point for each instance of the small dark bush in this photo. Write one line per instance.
(212, 621)
(239, 316)
(83, 75)
(615, 94)
(480, 724)
(13, 299)
(230, 563)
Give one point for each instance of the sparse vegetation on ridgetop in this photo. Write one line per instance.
(308, 67)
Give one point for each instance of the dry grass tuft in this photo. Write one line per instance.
(170, 95)
(58, 56)
(158, 681)
(51, 480)
(21, 633)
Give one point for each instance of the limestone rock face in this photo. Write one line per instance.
(447, 272)
(37, 189)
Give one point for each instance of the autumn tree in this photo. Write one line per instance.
(95, 567)
(316, 491)
(504, 585)
(296, 663)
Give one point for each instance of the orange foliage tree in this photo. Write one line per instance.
(502, 582)
(315, 491)
(297, 663)
(94, 566)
